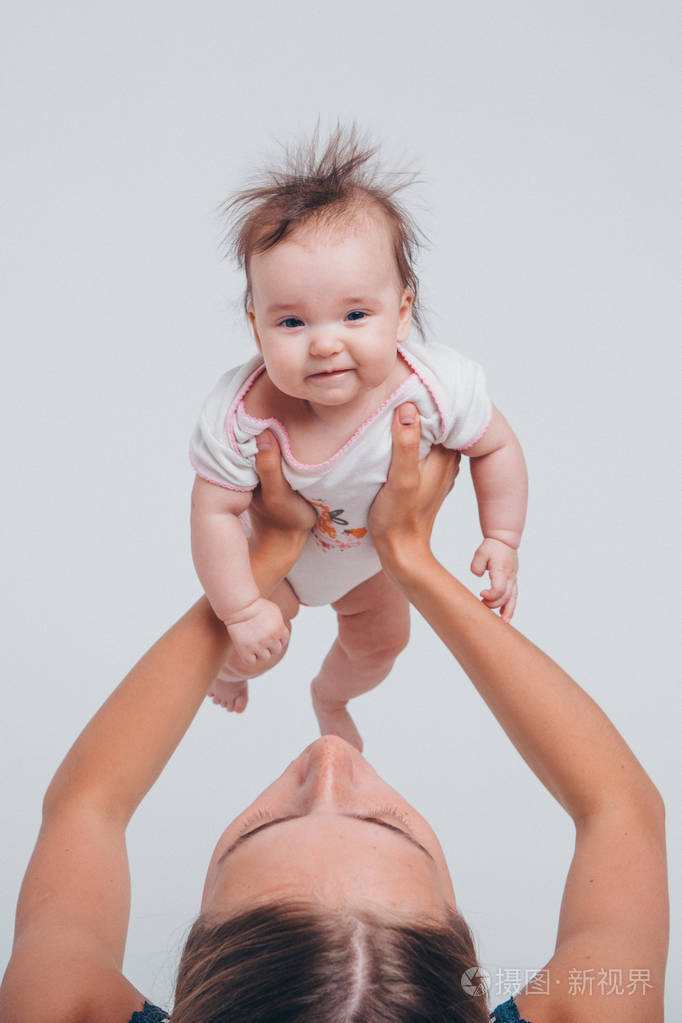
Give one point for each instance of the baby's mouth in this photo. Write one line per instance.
(330, 373)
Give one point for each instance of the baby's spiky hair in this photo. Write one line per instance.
(327, 183)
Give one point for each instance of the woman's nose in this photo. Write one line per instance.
(331, 771)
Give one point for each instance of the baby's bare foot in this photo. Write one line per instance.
(230, 695)
(334, 719)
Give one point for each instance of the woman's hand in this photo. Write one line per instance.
(276, 508)
(402, 515)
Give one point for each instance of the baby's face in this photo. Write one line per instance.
(328, 310)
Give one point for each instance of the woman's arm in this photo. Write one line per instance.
(542, 710)
(73, 907)
(615, 903)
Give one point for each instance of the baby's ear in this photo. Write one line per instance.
(405, 314)
(251, 313)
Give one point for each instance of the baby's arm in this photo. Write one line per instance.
(221, 557)
(498, 470)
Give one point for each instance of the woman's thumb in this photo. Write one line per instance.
(268, 459)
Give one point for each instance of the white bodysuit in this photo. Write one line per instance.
(449, 391)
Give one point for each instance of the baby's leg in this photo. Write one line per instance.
(230, 689)
(374, 626)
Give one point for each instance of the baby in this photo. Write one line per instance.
(331, 292)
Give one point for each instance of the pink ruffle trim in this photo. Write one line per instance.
(476, 439)
(280, 429)
(219, 483)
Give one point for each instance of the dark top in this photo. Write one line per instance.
(149, 1014)
(507, 1012)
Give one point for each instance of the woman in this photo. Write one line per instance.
(329, 898)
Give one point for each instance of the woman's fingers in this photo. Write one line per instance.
(456, 458)
(404, 510)
(404, 470)
(280, 503)
(269, 463)
(273, 486)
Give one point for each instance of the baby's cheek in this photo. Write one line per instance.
(281, 370)
(376, 371)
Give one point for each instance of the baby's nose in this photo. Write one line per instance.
(325, 342)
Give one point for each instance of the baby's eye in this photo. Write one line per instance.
(291, 321)
(356, 315)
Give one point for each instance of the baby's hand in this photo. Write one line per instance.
(502, 564)
(258, 632)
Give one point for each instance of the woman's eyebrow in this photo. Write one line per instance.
(355, 816)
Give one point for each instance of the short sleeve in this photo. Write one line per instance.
(214, 449)
(458, 388)
(471, 409)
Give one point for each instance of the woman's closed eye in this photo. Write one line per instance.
(255, 818)
(262, 816)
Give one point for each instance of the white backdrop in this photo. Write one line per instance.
(547, 138)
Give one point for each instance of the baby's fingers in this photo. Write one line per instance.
(273, 645)
(507, 609)
(479, 562)
(278, 645)
(499, 584)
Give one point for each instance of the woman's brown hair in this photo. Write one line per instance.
(325, 182)
(291, 963)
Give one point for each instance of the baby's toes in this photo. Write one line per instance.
(239, 702)
(233, 696)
